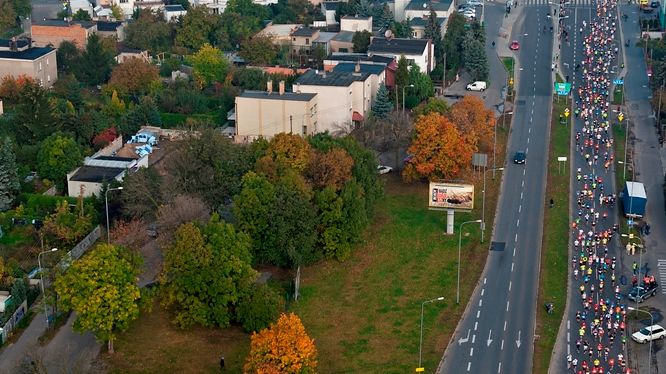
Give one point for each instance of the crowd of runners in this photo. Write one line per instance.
(601, 314)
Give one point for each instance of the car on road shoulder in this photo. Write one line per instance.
(477, 86)
(514, 45)
(503, 93)
(383, 169)
(408, 159)
(519, 157)
(654, 4)
(646, 334)
(639, 294)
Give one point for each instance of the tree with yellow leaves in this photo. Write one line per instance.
(101, 288)
(283, 348)
(439, 149)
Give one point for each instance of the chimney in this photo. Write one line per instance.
(298, 88)
(357, 68)
(269, 87)
(281, 88)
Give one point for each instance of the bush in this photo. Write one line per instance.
(258, 308)
(174, 120)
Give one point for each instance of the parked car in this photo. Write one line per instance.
(475, 3)
(519, 157)
(468, 16)
(514, 45)
(408, 159)
(477, 86)
(383, 169)
(655, 4)
(646, 334)
(503, 93)
(639, 294)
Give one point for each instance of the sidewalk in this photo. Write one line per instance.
(13, 354)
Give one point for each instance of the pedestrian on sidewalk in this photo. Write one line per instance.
(222, 368)
(551, 203)
(634, 267)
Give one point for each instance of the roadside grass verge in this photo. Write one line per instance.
(509, 65)
(553, 286)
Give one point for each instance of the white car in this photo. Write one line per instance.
(475, 3)
(646, 334)
(384, 169)
(477, 86)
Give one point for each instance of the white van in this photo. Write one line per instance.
(477, 86)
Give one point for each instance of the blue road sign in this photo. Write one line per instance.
(562, 93)
(618, 81)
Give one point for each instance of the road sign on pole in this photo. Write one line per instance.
(618, 81)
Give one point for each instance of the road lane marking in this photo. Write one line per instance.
(490, 332)
(523, 181)
(471, 352)
(502, 346)
(473, 338)
(480, 302)
(507, 303)
(521, 197)
(568, 337)
(515, 239)
(512, 266)
(520, 207)
(509, 285)
(484, 280)
(478, 313)
(504, 325)
(527, 150)
(524, 171)
(469, 365)
(482, 291)
(528, 140)
(500, 367)
(476, 325)
(514, 251)
(518, 223)
(529, 130)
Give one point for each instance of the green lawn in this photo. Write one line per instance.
(555, 247)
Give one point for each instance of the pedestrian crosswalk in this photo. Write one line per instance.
(661, 266)
(554, 3)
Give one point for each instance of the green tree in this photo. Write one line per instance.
(258, 308)
(74, 95)
(7, 14)
(209, 65)
(423, 87)
(148, 31)
(382, 106)
(216, 256)
(259, 49)
(95, 62)
(67, 56)
(58, 156)
(331, 228)
(361, 41)
(474, 57)
(452, 43)
(197, 24)
(9, 181)
(386, 18)
(101, 288)
(433, 31)
(21, 7)
(363, 8)
(143, 114)
(81, 15)
(248, 9)
(434, 105)
(401, 77)
(250, 79)
(36, 117)
(407, 28)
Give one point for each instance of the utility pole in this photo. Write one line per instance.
(291, 127)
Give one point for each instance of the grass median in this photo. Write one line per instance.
(553, 285)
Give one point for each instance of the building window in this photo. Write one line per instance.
(307, 41)
(314, 127)
(48, 78)
(39, 66)
(414, 34)
(305, 130)
(47, 62)
(343, 50)
(293, 39)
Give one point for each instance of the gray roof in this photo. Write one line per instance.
(331, 78)
(443, 5)
(357, 17)
(96, 174)
(330, 5)
(28, 54)
(365, 68)
(108, 26)
(304, 31)
(325, 37)
(288, 96)
(61, 23)
(398, 46)
(20, 43)
(354, 57)
(344, 36)
(421, 22)
(174, 8)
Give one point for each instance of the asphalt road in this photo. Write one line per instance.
(42, 9)
(495, 335)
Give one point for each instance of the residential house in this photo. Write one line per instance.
(280, 34)
(328, 9)
(76, 5)
(115, 29)
(128, 6)
(18, 58)
(377, 73)
(324, 41)
(420, 52)
(172, 12)
(342, 42)
(267, 113)
(391, 65)
(419, 24)
(344, 97)
(353, 24)
(123, 53)
(302, 39)
(54, 31)
(403, 9)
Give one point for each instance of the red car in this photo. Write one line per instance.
(514, 45)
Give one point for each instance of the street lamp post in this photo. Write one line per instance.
(106, 202)
(651, 324)
(403, 98)
(421, 339)
(459, 245)
(41, 280)
(483, 205)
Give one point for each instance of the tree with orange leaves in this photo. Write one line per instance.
(474, 121)
(283, 348)
(439, 149)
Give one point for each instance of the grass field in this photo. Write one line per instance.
(555, 248)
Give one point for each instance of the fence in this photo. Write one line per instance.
(80, 248)
(13, 321)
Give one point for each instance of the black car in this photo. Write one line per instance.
(519, 158)
(654, 4)
(644, 291)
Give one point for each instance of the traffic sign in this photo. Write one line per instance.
(420, 369)
(511, 80)
(563, 87)
(562, 93)
(566, 114)
(566, 110)
(620, 116)
(618, 81)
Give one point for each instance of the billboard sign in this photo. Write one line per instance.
(451, 196)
